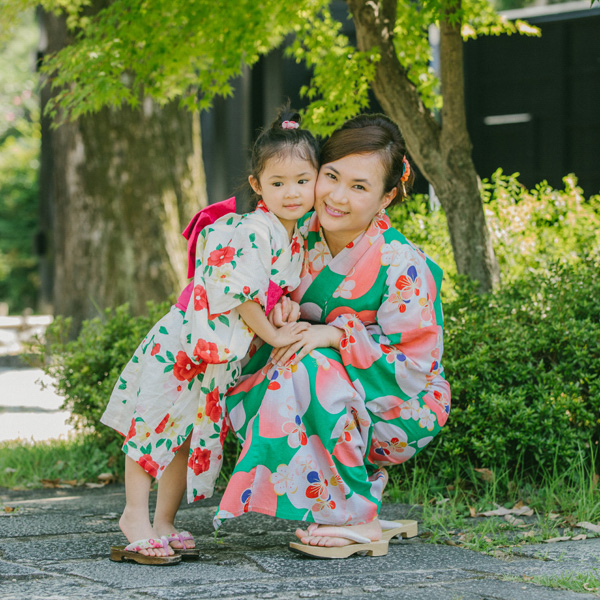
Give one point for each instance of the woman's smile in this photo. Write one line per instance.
(334, 212)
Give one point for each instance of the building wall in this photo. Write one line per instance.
(533, 104)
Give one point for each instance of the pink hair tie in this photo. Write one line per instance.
(405, 170)
(289, 125)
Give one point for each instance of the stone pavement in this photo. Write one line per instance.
(55, 544)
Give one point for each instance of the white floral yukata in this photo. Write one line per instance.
(175, 383)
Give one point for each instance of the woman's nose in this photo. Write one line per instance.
(337, 194)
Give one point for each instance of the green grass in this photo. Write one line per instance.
(559, 497)
(588, 583)
(77, 460)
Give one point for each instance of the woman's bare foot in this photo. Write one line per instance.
(331, 535)
(135, 528)
(167, 529)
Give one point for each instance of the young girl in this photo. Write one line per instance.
(168, 401)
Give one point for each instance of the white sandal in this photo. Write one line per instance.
(362, 545)
(406, 529)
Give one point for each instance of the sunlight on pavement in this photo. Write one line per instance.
(28, 411)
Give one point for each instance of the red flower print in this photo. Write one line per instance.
(224, 432)
(132, 431)
(162, 424)
(185, 369)
(207, 351)
(199, 461)
(246, 290)
(155, 349)
(409, 284)
(317, 487)
(213, 406)
(221, 256)
(295, 246)
(148, 465)
(200, 299)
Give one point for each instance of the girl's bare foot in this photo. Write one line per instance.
(332, 535)
(135, 528)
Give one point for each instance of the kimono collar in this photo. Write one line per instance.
(378, 225)
(261, 206)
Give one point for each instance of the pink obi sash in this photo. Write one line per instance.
(204, 217)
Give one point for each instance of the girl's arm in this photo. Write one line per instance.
(255, 318)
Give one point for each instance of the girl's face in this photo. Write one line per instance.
(287, 187)
(349, 193)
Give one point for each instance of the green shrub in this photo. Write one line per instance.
(85, 369)
(530, 229)
(524, 366)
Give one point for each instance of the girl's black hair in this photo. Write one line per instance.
(277, 140)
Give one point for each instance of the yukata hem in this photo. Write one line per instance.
(281, 514)
(135, 455)
(113, 423)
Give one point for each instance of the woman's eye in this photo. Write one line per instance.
(359, 187)
(331, 175)
(303, 181)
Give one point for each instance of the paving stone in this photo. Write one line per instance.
(56, 546)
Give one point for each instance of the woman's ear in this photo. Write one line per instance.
(387, 198)
(254, 184)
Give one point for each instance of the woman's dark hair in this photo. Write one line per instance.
(278, 139)
(373, 133)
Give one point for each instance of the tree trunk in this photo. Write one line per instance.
(123, 185)
(442, 153)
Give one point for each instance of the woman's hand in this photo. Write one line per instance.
(316, 336)
(285, 311)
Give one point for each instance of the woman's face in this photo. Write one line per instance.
(349, 193)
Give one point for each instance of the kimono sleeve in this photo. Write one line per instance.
(398, 357)
(236, 263)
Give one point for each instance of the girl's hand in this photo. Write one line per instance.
(290, 333)
(285, 311)
(316, 336)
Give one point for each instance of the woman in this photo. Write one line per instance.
(365, 388)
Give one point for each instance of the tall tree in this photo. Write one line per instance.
(190, 49)
(393, 39)
(441, 150)
(118, 188)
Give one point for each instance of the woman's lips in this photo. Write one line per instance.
(333, 211)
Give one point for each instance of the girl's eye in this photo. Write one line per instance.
(302, 181)
(359, 187)
(331, 175)
(277, 183)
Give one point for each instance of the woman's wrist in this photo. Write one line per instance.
(336, 336)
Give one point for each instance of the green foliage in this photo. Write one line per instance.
(337, 67)
(85, 369)
(166, 49)
(192, 49)
(524, 367)
(530, 229)
(79, 459)
(19, 163)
